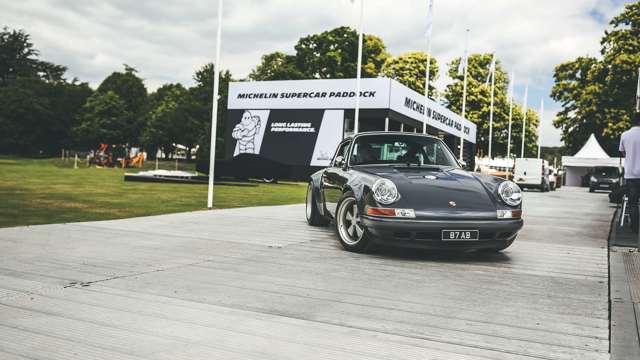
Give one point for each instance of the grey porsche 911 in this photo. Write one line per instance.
(407, 189)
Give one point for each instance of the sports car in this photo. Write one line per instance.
(407, 189)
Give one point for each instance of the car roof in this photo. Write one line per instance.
(365, 133)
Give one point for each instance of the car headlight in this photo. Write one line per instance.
(593, 179)
(510, 193)
(385, 191)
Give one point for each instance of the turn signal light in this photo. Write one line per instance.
(405, 213)
(509, 214)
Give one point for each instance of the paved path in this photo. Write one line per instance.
(258, 283)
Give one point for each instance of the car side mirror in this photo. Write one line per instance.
(463, 164)
(339, 161)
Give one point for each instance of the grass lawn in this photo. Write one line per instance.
(44, 191)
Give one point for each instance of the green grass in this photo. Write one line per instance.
(45, 191)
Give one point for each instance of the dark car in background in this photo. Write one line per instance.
(604, 178)
(401, 189)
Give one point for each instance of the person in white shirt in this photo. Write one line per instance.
(630, 149)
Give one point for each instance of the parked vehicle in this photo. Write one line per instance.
(409, 190)
(530, 173)
(604, 178)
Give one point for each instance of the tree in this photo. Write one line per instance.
(201, 96)
(19, 59)
(598, 95)
(276, 66)
(410, 69)
(38, 106)
(104, 119)
(130, 89)
(333, 54)
(478, 108)
(164, 120)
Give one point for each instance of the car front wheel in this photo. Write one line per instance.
(349, 226)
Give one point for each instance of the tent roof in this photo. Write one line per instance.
(592, 150)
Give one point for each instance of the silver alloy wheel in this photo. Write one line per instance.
(349, 222)
(309, 202)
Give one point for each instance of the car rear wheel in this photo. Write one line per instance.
(314, 218)
(349, 226)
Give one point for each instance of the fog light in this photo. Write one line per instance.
(403, 213)
(509, 214)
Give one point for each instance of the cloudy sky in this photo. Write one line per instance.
(166, 40)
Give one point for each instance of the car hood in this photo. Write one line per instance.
(438, 190)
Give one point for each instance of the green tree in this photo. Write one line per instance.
(478, 108)
(333, 54)
(104, 119)
(38, 107)
(201, 96)
(19, 59)
(130, 88)
(598, 95)
(410, 69)
(164, 120)
(276, 66)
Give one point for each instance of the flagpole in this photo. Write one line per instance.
(540, 126)
(428, 69)
(359, 69)
(638, 93)
(464, 92)
(214, 111)
(524, 120)
(512, 88)
(493, 85)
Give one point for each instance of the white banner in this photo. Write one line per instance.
(379, 93)
(309, 94)
(411, 103)
(329, 136)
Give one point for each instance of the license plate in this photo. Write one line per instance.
(460, 235)
(604, 186)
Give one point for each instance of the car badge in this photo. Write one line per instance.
(452, 204)
(430, 177)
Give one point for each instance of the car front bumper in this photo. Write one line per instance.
(428, 233)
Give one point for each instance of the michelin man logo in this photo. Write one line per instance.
(245, 133)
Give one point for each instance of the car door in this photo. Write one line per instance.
(334, 178)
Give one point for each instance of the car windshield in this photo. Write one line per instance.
(606, 171)
(402, 150)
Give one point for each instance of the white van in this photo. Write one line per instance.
(532, 173)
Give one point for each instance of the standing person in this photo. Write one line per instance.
(630, 149)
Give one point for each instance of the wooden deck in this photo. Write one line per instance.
(258, 283)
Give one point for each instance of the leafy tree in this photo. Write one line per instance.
(478, 108)
(410, 69)
(19, 59)
(202, 95)
(333, 54)
(130, 88)
(164, 120)
(598, 95)
(277, 66)
(104, 119)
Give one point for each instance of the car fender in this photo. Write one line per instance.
(316, 183)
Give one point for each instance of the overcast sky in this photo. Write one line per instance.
(166, 40)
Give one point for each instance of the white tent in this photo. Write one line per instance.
(590, 155)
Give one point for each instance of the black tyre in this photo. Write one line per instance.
(314, 218)
(351, 231)
(591, 189)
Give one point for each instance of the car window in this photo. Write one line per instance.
(401, 149)
(342, 151)
(606, 171)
